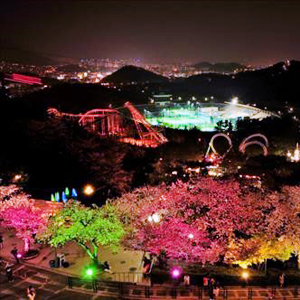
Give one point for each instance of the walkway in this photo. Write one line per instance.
(122, 261)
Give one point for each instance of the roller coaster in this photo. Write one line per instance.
(110, 122)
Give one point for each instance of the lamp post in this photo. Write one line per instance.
(89, 189)
(245, 276)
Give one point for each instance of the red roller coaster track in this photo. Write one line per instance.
(108, 122)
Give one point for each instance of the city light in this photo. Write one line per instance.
(17, 177)
(295, 157)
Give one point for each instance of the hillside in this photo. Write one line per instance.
(70, 98)
(129, 74)
(25, 57)
(219, 67)
(271, 87)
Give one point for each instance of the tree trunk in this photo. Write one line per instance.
(266, 267)
(93, 256)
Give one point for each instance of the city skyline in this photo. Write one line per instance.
(250, 32)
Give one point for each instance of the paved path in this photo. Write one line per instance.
(123, 261)
(48, 286)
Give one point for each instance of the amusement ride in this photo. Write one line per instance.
(109, 122)
(248, 141)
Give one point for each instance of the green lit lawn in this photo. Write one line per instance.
(182, 122)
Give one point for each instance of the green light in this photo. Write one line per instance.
(89, 272)
(187, 118)
(67, 192)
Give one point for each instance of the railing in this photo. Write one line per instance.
(132, 277)
(131, 291)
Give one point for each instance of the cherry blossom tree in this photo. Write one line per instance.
(195, 220)
(18, 211)
(279, 237)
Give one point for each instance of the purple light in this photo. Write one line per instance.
(176, 273)
(19, 255)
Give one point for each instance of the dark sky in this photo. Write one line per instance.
(257, 32)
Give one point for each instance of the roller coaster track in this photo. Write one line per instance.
(109, 122)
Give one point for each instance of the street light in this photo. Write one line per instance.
(89, 272)
(154, 218)
(245, 275)
(89, 190)
(190, 236)
(176, 272)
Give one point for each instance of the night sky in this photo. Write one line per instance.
(256, 32)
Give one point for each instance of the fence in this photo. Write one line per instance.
(125, 290)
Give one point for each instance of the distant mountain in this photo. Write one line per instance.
(70, 98)
(271, 87)
(25, 57)
(219, 67)
(129, 74)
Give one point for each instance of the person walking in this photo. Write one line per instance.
(211, 293)
(14, 252)
(9, 272)
(187, 280)
(216, 291)
(1, 242)
(281, 280)
(31, 293)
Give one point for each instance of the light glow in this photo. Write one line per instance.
(235, 100)
(89, 190)
(156, 218)
(245, 275)
(89, 272)
(176, 273)
(191, 236)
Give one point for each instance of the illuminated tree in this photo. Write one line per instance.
(195, 220)
(88, 227)
(18, 211)
(280, 236)
(257, 250)
(283, 223)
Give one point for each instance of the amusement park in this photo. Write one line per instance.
(157, 201)
(150, 150)
(119, 198)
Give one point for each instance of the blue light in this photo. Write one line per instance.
(74, 193)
